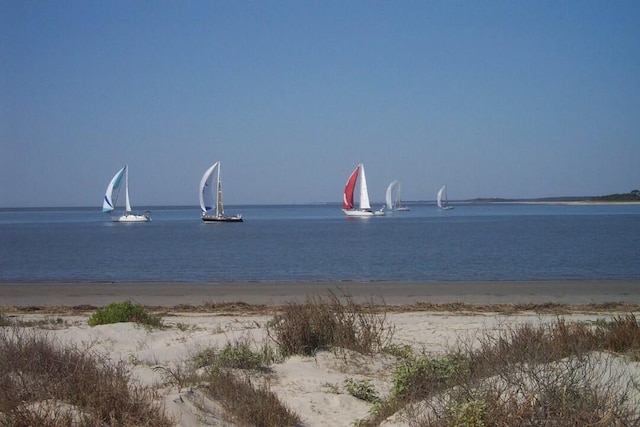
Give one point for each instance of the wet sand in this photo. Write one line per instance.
(393, 293)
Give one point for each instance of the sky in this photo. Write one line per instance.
(511, 99)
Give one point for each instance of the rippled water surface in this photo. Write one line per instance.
(318, 243)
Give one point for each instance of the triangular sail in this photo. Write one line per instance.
(364, 193)
(349, 189)
(126, 190)
(111, 194)
(439, 196)
(442, 193)
(389, 194)
(206, 192)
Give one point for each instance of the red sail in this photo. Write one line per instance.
(349, 189)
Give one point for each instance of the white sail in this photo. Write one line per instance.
(364, 193)
(364, 206)
(127, 202)
(442, 199)
(206, 193)
(389, 194)
(113, 189)
(439, 196)
(111, 196)
(211, 199)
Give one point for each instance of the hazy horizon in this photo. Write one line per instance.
(496, 100)
(320, 202)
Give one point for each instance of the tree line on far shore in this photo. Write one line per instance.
(632, 196)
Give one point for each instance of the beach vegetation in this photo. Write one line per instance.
(46, 383)
(402, 351)
(223, 375)
(417, 377)
(555, 374)
(183, 326)
(246, 403)
(235, 355)
(43, 323)
(4, 320)
(125, 311)
(362, 389)
(318, 323)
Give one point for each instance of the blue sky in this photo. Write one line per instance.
(493, 98)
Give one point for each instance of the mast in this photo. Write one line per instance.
(126, 189)
(219, 206)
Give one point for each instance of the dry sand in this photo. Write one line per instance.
(312, 386)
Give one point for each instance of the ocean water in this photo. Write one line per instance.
(488, 242)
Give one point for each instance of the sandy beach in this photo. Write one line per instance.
(393, 293)
(314, 387)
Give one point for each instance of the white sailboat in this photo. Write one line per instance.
(393, 200)
(111, 196)
(212, 200)
(442, 199)
(364, 207)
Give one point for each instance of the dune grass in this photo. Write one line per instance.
(551, 374)
(48, 384)
(330, 321)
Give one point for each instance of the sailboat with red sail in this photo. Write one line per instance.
(364, 206)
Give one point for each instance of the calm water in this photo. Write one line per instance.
(318, 243)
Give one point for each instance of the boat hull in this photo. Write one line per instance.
(133, 217)
(357, 212)
(216, 218)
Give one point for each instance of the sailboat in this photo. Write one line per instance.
(364, 207)
(111, 195)
(209, 202)
(442, 200)
(394, 203)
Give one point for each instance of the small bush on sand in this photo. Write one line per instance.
(124, 312)
(47, 384)
(318, 323)
(362, 389)
(419, 377)
(236, 355)
(246, 404)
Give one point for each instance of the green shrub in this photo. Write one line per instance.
(362, 390)
(124, 312)
(419, 377)
(401, 351)
(237, 355)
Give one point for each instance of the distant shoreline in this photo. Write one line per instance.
(563, 202)
(273, 293)
(478, 201)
